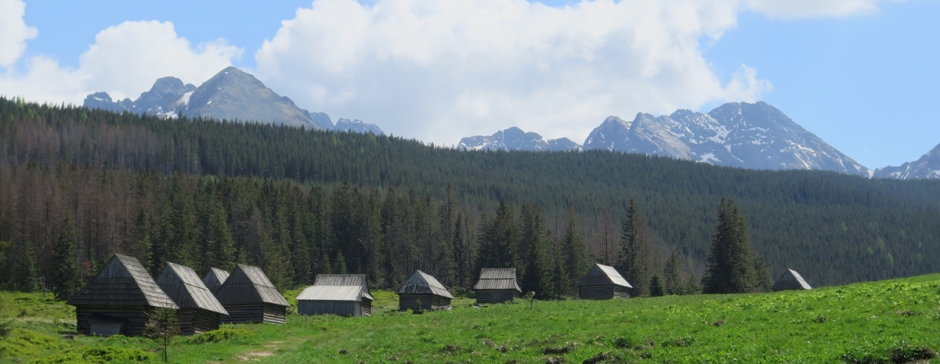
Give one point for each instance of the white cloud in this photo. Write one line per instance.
(439, 70)
(13, 31)
(813, 8)
(124, 61)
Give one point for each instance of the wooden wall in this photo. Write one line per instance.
(496, 295)
(604, 292)
(428, 302)
(197, 321)
(132, 319)
(255, 313)
(340, 308)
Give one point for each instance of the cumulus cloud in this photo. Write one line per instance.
(813, 8)
(124, 61)
(13, 31)
(437, 70)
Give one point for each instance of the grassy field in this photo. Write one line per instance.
(877, 322)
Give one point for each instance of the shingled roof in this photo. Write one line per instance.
(249, 285)
(214, 279)
(337, 287)
(186, 289)
(423, 283)
(497, 278)
(601, 275)
(122, 282)
(790, 280)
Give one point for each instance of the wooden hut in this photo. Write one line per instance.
(118, 299)
(424, 290)
(336, 294)
(214, 279)
(790, 280)
(497, 285)
(249, 297)
(603, 282)
(199, 310)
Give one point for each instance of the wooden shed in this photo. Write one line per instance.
(423, 289)
(214, 279)
(603, 282)
(336, 294)
(497, 285)
(249, 297)
(118, 299)
(199, 310)
(792, 281)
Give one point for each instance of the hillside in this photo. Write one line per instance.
(876, 322)
(126, 177)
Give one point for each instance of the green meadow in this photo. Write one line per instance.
(896, 321)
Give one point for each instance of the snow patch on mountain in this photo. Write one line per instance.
(517, 139)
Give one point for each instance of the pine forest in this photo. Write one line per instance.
(77, 185)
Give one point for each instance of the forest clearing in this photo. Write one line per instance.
(893, 321)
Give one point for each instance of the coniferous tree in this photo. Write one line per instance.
(762, 280)
(499, 239)
(656, 286)
(66, 275)
(274, 261)
(26, 274)
(730, 266)
(444, 250)
(182, 242)
(536, 276)
(634, 247)
(672, 279)
(340, 265)
(573, 252)
(461, 249)
(221, 245)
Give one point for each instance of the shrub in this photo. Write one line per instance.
(98, 355)
(220, 335)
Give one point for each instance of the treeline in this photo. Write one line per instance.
(832, 228)
(293, 232)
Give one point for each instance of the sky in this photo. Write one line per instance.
(860, 74)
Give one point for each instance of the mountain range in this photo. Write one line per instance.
(231, 94)
(516, 139)
(745, 135)
(928, 166)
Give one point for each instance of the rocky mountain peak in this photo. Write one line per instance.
(928, 166)
(737, 134)
(517, 139)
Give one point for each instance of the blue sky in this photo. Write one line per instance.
(864, 79)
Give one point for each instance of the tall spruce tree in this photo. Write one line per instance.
(66, 276)
(634, 247)
(26, 274)
(499, 239)
(730, 265)
(671, 277)
(537, 274)
(573, 250)
(762, 280)
(656, 286)
(221, 245)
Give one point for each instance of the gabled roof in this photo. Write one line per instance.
(423, 283)
(337, 287)
(249, 285)
(602, 275)
(183, 285)
(214, 278)
(122, 282)
(790, 280)
(497, 278)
